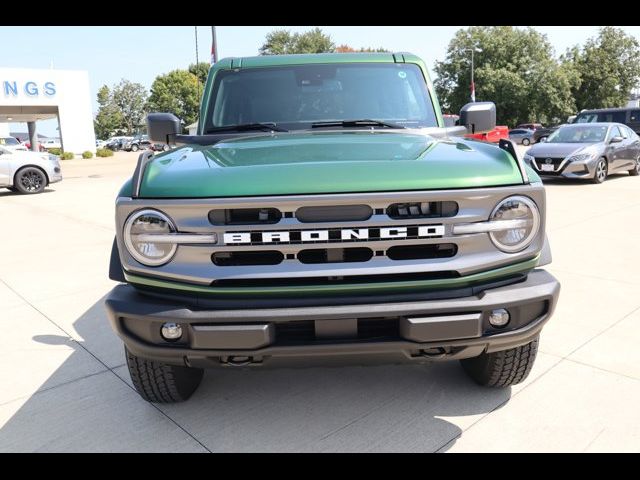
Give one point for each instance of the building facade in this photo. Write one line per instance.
(28, 95)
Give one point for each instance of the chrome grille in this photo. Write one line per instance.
(556, 162)
(214, 262)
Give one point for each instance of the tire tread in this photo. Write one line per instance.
(162, 383)
(504, 368)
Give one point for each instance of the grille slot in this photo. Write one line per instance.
(303, 331)
(369, 328)
(415, 252)
(543, 161)
(326, 280)
(335, 255)
(400, 211)
(300, 331)
(334, 213)
(235, 259)
(245, 216)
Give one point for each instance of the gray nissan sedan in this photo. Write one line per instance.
(590, 151)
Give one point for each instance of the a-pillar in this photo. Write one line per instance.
(33, 136)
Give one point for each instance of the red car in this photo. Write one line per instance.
(40, 147)
(493, 136)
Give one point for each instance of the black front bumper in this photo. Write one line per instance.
(414, 331)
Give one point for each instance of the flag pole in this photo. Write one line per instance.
(214, 46)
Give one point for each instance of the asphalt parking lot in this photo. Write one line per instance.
(64, 385)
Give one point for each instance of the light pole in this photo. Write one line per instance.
(214, 46)
(473, 85)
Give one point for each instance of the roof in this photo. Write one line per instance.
(616, 109)
(591, 124)
(302, 59)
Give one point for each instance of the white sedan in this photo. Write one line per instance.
(12, 143)
(28, 172)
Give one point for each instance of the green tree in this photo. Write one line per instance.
(176, 92)
(281, 42)
(108, 120)
(347, 49)
(516, 69)
(130, 98)
(608, 67)
(200, 70)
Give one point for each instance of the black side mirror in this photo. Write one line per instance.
(163, 127)
(616, 139)
(478, 117)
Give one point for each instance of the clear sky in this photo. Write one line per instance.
(139, 54)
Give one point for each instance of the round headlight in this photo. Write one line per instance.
(522, 217)
(137, 229)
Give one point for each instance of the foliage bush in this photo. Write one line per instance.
(67, 156)
(55, 151)
(87, 154)
(104, 152)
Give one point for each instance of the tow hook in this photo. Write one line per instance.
(436, 352)
(240, 361)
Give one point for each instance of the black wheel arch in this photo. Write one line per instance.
(115, 266)
(46, 177)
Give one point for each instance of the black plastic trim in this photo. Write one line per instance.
(138, 174)
(124, 304)
(219, 302)
(115, 266)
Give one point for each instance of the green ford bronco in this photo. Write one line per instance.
(324, 214)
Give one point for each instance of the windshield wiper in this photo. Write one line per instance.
(356, 123)
(243, 127)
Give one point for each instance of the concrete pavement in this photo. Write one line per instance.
(64, 385)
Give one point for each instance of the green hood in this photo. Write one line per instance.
(327, 162)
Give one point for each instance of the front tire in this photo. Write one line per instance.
(635, 171)
(526, 141)
(601, 171)
(30, 180)
(504, 368)
(134, 148)
(162, 383)
(541, 139)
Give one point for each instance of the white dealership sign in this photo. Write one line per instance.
(25, 92)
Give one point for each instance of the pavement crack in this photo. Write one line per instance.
(578, 362)
(593, 440)
(600, 333)
(53, 387)
(107, 368)
(500, 405)
(358, 418)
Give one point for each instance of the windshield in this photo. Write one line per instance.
(578, 134)
(295, 96)
(9, 141)
(591, 117)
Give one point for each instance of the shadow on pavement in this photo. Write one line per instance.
(356, 408)
(9, 193)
